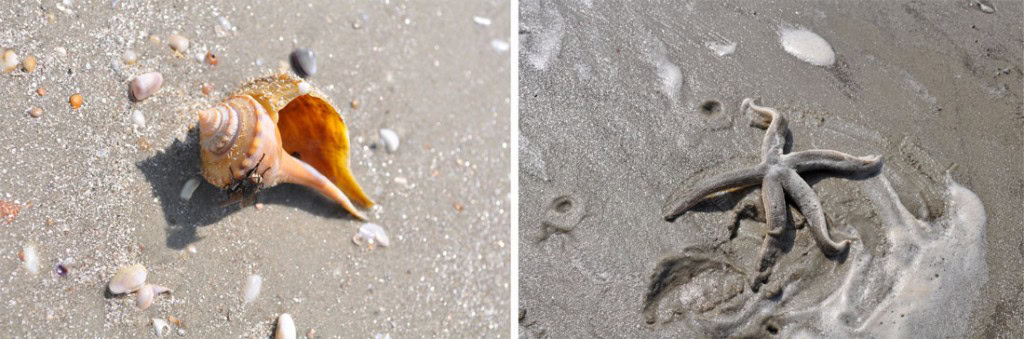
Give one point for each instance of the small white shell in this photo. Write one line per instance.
(390, 139)
(373, 235)
(31, 258)
(178, 43)
(189, 188)
(160, 326)
(10, 60)
(146, 294)
(146, 85)
(252, 288)
(144, 298)
(128, 279)
(138, 119)
(129, 57)
(304, 88)
(285, 327)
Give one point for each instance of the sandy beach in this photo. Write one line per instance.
(623, 104)
(91, 189)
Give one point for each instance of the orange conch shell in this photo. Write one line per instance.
(279, 129)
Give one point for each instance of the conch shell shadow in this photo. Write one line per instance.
(168, 170)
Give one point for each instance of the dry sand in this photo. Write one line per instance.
(612, 122)
(94, 197)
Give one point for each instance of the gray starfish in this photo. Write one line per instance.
(777, 173)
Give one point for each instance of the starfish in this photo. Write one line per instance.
(779, 175)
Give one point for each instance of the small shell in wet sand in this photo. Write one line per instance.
(128, 279)
(285, 327)
(178, 43)
(372, 235)
(252, 288)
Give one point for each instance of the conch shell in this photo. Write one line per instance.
(279, 129)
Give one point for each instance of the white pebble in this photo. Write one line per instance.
(129, 57)
(138, 119)
(390, 139)
(10, 60)
(304, 88)
(178, 43)
(373, 234)
(61, 51)
(160, 327)
(482, 20)
(31, 259)
(189, 188)
(499, 45)
(285, 327)
(146, 85)
(252, 288)
(807, 46)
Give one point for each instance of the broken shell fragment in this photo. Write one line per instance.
(269, 133)
(372, 235)
(178, 43)
(285, 327)
(146, 85)
(160, 327)
(188, 189)
(128, 279)
(252, 288)
(30, 258)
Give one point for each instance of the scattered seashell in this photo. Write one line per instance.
(160, 327)
(129, 57)
(211, 59)
(252, 288)
(311, 333)
(390, 139)
(144, 297)
(371, 234)
(207, 89)
(482, 20)
(146, 85)
(192, 249)
(499, 45)
(189, 188)
(245, 147)
(35, 112)
(138, 119)
(61, 270)
(128, 279)
(144, 144)
(9, 210)
(355, 104)
(458, 207)
(303, 62)
(285, 327)
(30, 258)
(146, 294)
(9, 61)
(154, 39)
(178, 43)
(29, 63)
(41, 91)
(61, 51)
(259, 206)
(174, 320)
(75, 100)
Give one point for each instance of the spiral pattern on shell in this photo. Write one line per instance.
(237, 138)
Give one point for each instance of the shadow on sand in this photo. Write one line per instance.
(167, 171)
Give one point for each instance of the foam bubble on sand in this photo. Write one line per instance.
(545, 43)
(924, 284)
(807, 46)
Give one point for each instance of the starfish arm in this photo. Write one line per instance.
(686, 197)
(814, 160)
(774, 199)
(810, 206)
(775, 125)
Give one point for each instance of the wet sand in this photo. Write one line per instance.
(617, 112)
(95, 194)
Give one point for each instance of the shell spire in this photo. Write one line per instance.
(270, 132)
